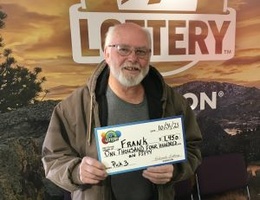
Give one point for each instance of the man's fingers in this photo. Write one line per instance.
(161, 169)
(93, 162)
(92, 171)
(159, 174)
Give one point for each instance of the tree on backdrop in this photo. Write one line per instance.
(18, 85)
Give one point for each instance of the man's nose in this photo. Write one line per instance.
(133, 55)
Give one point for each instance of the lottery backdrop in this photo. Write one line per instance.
(209, 51)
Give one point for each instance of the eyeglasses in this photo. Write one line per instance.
(125, 50)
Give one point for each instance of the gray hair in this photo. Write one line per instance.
(112, 29)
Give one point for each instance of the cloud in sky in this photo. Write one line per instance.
(34, 32)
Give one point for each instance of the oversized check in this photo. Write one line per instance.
(133, 146)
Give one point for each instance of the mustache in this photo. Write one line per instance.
(131, 65)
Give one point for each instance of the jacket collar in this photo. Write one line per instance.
(153, 84)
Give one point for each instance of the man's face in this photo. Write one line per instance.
(128, 56)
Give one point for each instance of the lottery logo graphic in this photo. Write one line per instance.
(186, 31)
(110, 136)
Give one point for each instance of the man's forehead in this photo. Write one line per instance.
(130, 36)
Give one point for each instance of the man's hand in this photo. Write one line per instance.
(159, 174)
(91, 171)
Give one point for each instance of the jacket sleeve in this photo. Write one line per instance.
(60, 159)
(193, 138)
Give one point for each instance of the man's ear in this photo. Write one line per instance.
(106, 53)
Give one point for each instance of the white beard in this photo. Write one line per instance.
(129, 80)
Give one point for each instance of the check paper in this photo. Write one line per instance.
(134, 146)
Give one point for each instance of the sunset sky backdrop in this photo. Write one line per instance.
(38, 32)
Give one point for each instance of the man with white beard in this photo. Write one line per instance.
(124, 88)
